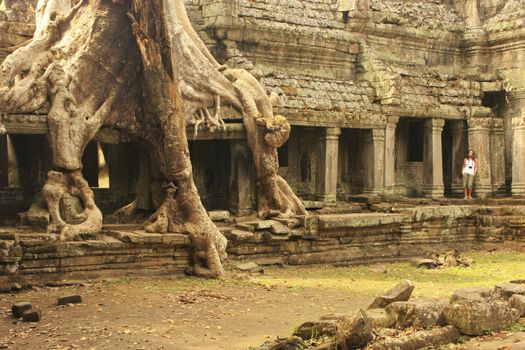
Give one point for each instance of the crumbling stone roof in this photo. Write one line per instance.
(17, 23)
(322, 94)
(323, 14)
(423, 91)
(432, 14)
(511, 16)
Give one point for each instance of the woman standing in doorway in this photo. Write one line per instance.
(470, 170)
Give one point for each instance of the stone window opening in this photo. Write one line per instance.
(495, 100)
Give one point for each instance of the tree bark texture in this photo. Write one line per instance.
(139, 66)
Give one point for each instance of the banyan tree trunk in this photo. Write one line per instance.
(182, 210)
(138, 65)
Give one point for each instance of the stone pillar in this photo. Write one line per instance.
(242, 179)
(459, 152)
(518, 155)
(497, 157)
(390, 155)
(327, 157)
(375, 162)
(479, 141)
(433, 159)
(516, 101)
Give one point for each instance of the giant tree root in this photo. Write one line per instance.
(56, 185)
(182, 210)
(265, 132)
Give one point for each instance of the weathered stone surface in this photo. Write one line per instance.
(71, 209)
(355, 332)
(423, 263)
(37, 215)
(218, 215)
(70, 299)
(453, 258)
(18, 309)
(506, 290)
(477, 318)
(239, 235)
(279, 228)
(435, 337)
(250, 267)
(517, 301)
(400, 292)
(32, 315)
(379, 318)
(421, 314)
(479, 294)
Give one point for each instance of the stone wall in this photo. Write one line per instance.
(372, 233)
(17, 23)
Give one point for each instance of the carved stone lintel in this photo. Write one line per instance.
(480, 124)
(436, 124)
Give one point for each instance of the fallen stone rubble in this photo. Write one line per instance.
(448, 259)
(393, 321)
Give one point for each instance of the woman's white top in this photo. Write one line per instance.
(470, 167)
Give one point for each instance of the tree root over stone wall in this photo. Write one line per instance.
(140, 67)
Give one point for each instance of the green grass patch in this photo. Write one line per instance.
(487, 270)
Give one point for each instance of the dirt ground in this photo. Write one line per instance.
(145, 314)
(235, 313)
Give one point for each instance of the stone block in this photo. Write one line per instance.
(423, 263)
(71, 209)
(479, 294)
(507, 290)
(400, 292)
(218, 215)
(279, 229)
(434, 338)
(70, 299)
(477, 318)
(38, 215)
(245, 227)
(32, 315)
(355, 332)
(250, 267)
(379, 318)
(239, 235)
(518, 302)
(18, 309)
(421, 314)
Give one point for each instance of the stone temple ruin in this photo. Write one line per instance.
(384, 99)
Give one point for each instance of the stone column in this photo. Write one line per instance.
(518, 155)
(479, 141)
(516, 101)
(375, 162)
(327, 157)
(390, 154)
(459, 152)
(242, 179)
(433, 159)
(497, 157)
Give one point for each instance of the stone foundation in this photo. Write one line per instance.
(348, 238)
